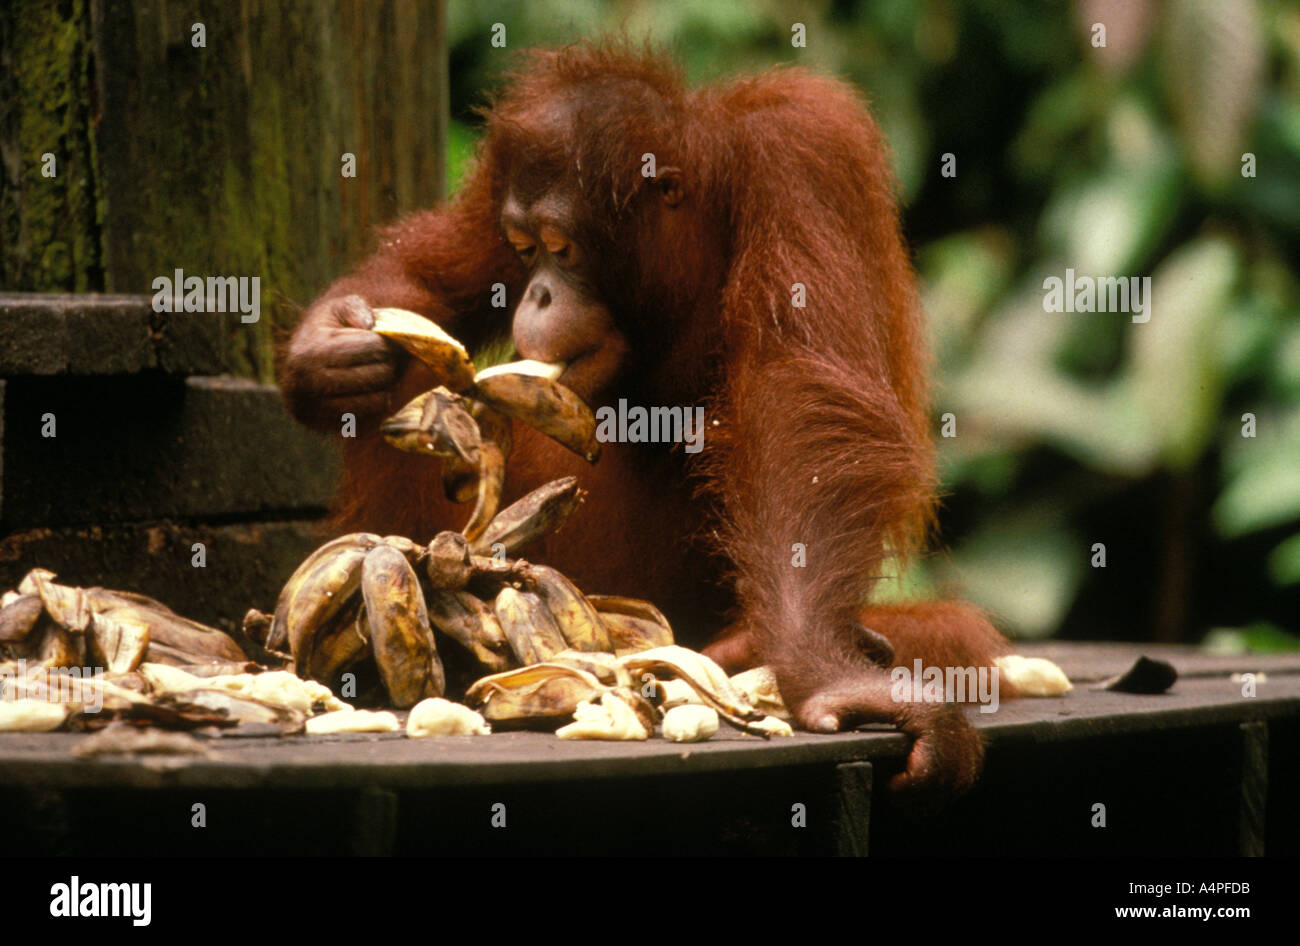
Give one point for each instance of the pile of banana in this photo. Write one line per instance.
(364, 597)
(550, 652)
(49, 625)
(462, 616)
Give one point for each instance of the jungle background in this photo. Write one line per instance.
(1072, 429)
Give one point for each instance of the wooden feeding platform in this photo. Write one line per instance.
(1200, 769)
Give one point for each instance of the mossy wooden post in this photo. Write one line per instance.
(217, 149)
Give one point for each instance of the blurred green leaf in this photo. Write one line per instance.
(1024, 570)
(1108, 223)
(1263, 488)
(1214, 61)
(1284, 562)
(1260, 638)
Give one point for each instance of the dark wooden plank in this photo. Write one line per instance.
(1254, 788)
(393, 761)
(374, 826)
(854, 784)
(1091, 662)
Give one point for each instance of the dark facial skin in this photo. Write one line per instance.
(560, 317)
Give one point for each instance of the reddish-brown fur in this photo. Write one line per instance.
(822, 412)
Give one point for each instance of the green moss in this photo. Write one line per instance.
(52, 226)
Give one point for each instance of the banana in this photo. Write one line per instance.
(618, 715)
(543, 403)
(632, 624)
(473, 625)
(256, 626)
(705, 677)
(532, 632)
(66, 605)
(550, 370)
(460, 479)
(690, 723)
(399, 628)
(758, 685)
(435, 424)
(279, 637)
(604, 667)
(319, 596)
(493, 425)
(117, 644)
(439, 717)
(533, 517)
(31, 581)
(403, 429)
(542, 694)
(58, 646)
(578, 620)
(428, 342)
(491, 480)
(19, 617)
(628, 635)
(447, 561)
(342, 642)
(167, 629)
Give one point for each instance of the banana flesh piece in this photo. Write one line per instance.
(352, 720)
(400, 634)
(708, 680)
(430, 343)
(1033, 676)
(32, 715)
(550, 370)
(690, 723)
(759, 687)
(618, 714)
(439, 717)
